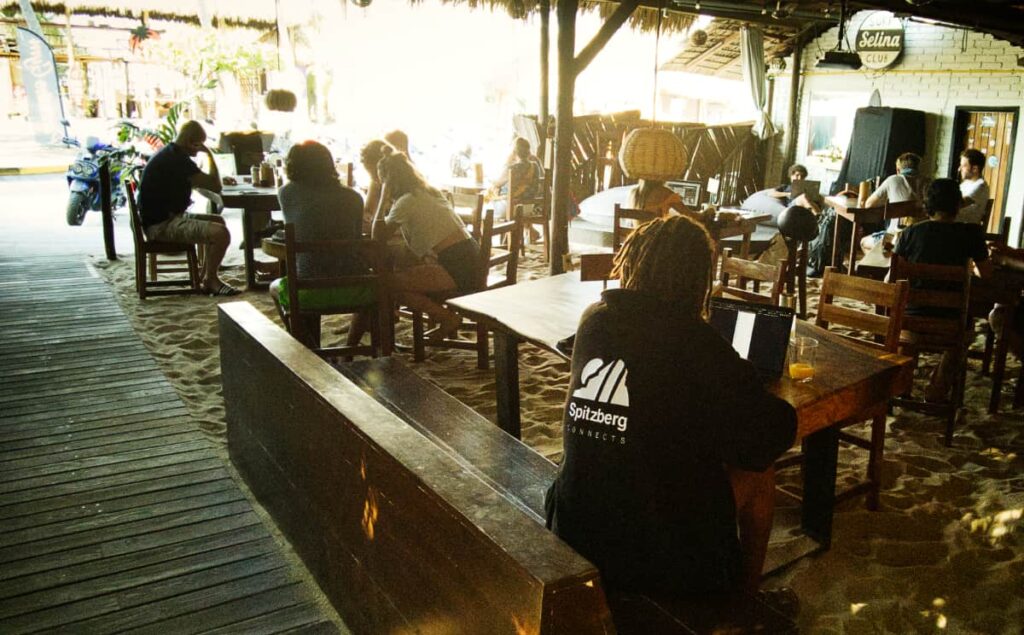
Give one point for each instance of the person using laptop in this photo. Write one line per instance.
(788, 194)
(652, 195)
(669, 436)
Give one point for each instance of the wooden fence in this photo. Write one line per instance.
(730, 153)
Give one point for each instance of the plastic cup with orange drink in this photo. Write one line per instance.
(801, 359)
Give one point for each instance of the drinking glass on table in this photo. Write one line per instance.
(801, 359)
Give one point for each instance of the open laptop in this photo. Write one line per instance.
(811, 188)
(758, 332)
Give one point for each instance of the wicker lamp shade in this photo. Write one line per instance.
(280, 100)
(652, 154)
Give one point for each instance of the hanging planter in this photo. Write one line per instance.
(280, 100)
(654, 154)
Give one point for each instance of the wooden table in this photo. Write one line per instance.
(743, 225)
(848, 208)
(849, 378)
(250, 200)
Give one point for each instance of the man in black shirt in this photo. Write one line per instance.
(669, 435)
(943, 241)
(165, 194)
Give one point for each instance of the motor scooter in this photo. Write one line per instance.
(84, 179)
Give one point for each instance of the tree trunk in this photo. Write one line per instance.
(566, 12)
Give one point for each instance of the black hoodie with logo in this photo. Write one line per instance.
(659, 403)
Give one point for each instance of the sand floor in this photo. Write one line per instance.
(941, 555)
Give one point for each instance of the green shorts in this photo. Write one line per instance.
(321, 299)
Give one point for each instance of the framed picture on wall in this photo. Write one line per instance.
(688, 190)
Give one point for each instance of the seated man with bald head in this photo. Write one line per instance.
(166, 192)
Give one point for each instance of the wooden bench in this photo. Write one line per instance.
(412, 510)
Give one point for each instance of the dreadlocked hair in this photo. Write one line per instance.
(669, 258)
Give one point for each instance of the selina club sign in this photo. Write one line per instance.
(879, 40)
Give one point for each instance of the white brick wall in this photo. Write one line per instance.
(939, 70)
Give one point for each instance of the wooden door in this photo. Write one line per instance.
(991, 131)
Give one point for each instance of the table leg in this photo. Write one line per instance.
(247, 239)
(820, 453)
(745, 245)
(854, 232)
(506, 381)
(998, 370)
(835, 241)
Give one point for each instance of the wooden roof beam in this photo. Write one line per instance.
(604, 34)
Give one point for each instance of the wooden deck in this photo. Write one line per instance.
(115, 512)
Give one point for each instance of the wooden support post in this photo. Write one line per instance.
(568, 68)
(107, 210)
(545, 75)
(793, 129)
(566, 13)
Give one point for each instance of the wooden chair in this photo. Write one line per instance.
(881, 329)
(470, 208)
(148, 251)
(740, 271)
(505, 260)
(1003, 288)
(302, 312)
(620, 231)
(532, 211)
(595, 267)
(946, 290)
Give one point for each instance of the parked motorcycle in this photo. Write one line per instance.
(84, 179)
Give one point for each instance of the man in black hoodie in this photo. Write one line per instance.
(669, 435)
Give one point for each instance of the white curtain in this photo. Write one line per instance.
(752, 54)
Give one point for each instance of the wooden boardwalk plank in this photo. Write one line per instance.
(35, 593)
(96, 417)
(93, 527)
(132, 472)
(41, 522)
(74, 457)
(128, 545)
(116, 513)
(286, 620)
(38, 438)
(191, 474)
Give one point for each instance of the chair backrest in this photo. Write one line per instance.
(1002, 237)
(470, 208)
(937, 300)
(884, 327)
(907, 209)
(620, 231)
(739, 271)
(134, 218)
(507, 232)
(596, 266)
(370, 252)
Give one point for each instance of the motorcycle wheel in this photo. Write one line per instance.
(78, 205)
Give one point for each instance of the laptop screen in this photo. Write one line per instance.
(758, 332)
(810, 188)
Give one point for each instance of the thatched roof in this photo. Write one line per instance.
(782, 20)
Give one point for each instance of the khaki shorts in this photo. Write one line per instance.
(183, 228)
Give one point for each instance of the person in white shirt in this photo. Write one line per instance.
(973, 187)
(906, 185)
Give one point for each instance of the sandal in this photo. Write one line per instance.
(223, 290)
(783, 600)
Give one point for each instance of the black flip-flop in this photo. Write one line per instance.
(223, 290)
